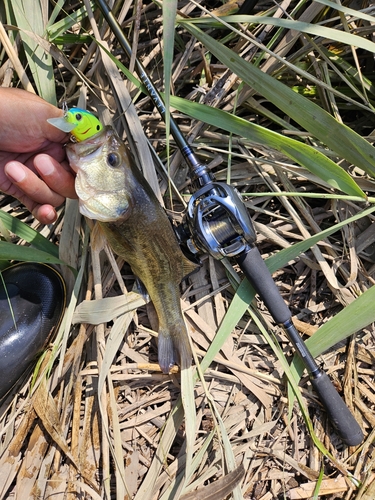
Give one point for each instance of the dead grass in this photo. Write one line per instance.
(63, 441)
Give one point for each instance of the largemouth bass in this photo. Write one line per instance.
(113, 191)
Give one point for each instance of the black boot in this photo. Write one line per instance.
(32, 303)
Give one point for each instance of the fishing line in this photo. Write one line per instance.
(217, 222)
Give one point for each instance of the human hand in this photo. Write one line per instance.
(33, 164)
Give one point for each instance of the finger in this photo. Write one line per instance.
(31, 185)
(45, 214)
(59, 179)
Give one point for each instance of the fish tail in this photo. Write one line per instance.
(184, 349)
(166, 351)
(174, 347)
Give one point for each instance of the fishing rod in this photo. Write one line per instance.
(217, 222)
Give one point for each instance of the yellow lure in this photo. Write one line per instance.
(85, 123)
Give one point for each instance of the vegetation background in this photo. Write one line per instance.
(279, 102)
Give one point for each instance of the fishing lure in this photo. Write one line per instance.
(80, 123)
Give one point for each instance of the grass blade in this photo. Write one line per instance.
(282, 258)
(169, 19)
(106, 309)
(175, 419)
(28, 234)
(357, 14)
(56, 29)
(305, 155)
(338, 137)
(29, 17)
(10, 251)
(295, 25)
(353, 318)
(318, 485)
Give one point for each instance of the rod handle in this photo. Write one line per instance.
(338, 413)
(256, 271)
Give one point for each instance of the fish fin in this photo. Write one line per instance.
(184, 350)
(174, 346)
(141, 289)
(166, 351)
(190, 267)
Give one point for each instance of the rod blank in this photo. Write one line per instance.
(253, 266)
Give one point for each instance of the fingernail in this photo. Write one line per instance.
(51, 216)
(44, 165)
(15, 172)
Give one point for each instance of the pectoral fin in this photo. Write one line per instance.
(141, 289)
(189, 267)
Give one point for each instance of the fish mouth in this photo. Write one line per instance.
(103, 215)
(84, 149)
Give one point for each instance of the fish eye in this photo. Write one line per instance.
(78, 116)
(113, 160)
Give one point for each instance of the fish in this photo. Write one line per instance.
(112, 190)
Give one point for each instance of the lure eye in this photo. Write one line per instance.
(113, 160)
(78, 116)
